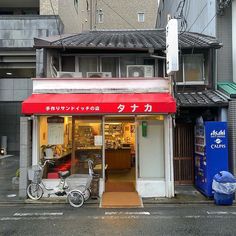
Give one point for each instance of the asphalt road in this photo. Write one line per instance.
(46, 219)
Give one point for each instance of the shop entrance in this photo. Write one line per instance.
(119, 134)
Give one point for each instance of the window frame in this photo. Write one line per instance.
(118, 58)
(184, 82)
(100, 17)
(139, 19)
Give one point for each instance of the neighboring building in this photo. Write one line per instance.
(214, 18)
(123, 14)
(20, 22)
(123, 121)
(75, 14)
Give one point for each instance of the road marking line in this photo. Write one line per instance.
(28, 218)
(117, 217)
(10, 218)
(127, 213)
(217, 212)
(39, 214)
(195, 217)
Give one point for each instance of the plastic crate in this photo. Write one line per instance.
(223, 199)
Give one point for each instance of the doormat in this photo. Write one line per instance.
(121, 200)
(119, 187)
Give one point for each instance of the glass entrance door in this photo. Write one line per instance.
(87, 144)
(119, 135)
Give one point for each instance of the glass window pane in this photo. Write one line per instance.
(87, 145)
(193, 68)
(17, 73)
(88, 64)
(68, 64)
(124, 61)
(55, 139)
(141, 17)
(109, 65)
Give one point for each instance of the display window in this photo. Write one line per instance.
(87, 144)
(70, 142)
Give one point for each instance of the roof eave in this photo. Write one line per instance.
(94, 48)
(203, 105)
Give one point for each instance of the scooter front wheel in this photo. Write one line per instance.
(75, 198)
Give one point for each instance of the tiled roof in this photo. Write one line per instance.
(127, 39)
(228, 88)
(201, 99)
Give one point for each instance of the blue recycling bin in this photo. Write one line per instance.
(224, 186)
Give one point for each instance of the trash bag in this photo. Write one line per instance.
(224, 182)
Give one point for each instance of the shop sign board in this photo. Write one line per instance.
(172, 54)
(105, 108)
(56, 104)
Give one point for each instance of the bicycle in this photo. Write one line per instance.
(85, 189)
(36, 188)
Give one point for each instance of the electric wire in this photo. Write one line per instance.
(203, 31)
(119, 15)
(197, 17)
(57, 23)
(179, 14)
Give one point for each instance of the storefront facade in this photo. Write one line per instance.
(109, 94)
(128, 136)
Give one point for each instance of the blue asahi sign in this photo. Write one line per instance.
(218, 139)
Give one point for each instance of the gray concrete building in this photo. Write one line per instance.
(20, 22)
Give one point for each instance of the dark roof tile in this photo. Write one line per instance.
(201, 99)
(127, 39)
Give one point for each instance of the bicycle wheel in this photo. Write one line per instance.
(85, 191)
(35, 191)
(75, 198)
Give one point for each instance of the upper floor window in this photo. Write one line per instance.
(141, 17)
(16, 64)
(107, 66)
(192, 69)
(100, 16)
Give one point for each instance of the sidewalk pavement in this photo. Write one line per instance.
(9, 191)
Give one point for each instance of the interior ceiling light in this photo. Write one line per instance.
(8, 73)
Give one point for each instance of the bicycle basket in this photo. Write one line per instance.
(76, 180)
(35, 174)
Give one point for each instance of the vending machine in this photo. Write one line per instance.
(211, 153)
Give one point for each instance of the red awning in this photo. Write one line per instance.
(132, 103)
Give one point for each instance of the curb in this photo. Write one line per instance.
(97, 202)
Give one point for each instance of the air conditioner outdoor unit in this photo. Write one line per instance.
(99, 74)
(67, 74)
(140, 71)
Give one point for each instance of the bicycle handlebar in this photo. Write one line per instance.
(47, 161)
